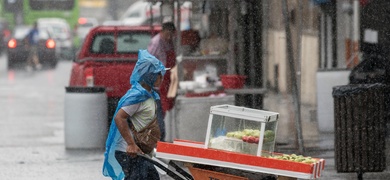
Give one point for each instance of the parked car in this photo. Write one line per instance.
(18, 51)
(140, 14)
(62, 34)
(5, 34)
(107, 59)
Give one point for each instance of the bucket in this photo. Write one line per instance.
(233, 81)
(85, 117)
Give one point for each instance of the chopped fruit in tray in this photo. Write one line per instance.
(250, 139)
(252, 135)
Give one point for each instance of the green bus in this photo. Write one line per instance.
(28, 11)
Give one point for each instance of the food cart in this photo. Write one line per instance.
(242, 139)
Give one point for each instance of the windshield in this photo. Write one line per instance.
(59, 30)
(132, 42)
(103, 44)
(126, 42)
(21, 32)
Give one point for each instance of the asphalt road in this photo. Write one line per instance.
(32, 128)
(32, 140)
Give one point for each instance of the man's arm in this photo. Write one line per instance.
(123, 127)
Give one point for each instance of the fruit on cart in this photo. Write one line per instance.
(295, 158)
(252, 139)
(245, 138)
(245, 132)
(251, 132)
(252, 135)
(230, 134)
(235, 134)
(269, 134)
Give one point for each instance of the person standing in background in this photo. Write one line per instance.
(162, 47)
(32, 44)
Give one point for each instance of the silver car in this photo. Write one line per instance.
(62, 34)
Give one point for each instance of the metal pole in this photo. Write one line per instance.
(240, 39)
(295, 95)
(178, 22)
(231, 67)
(151, 16)
(356, 32)
(113, 9)
(355, 21)
(299, 48)
(266, 10)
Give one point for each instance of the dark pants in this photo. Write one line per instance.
(136, 168)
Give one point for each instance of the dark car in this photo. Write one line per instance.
(5, 34)
(18, 50)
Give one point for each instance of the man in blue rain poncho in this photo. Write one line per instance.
(138, 104)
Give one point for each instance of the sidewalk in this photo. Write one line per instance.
(316, 144)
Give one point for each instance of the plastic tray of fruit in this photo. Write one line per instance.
(245, 141)
(237, 145)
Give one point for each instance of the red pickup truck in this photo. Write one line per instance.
(107, 58)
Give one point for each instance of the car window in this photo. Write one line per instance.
(134, 14)
(20, 33)
(103, 43)
(87, 25)
(43, 34)
(132, 42)
(58, 29)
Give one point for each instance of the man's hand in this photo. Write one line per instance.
(132, 150)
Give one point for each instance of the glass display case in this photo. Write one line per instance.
(243, 130)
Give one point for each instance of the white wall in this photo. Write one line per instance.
(326, 80)
(309, 64)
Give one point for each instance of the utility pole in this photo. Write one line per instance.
(15, 7)
(356, 32)
(295, 91)
(113, 9)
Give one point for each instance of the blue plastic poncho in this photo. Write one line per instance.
(146, 70)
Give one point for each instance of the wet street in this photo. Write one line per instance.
(32, 140)
(32, 127)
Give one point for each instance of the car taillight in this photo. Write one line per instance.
(7, 33)
(89, 77)
(50, 43)
(82, 20)
(12, 43)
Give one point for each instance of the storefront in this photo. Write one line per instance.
(219, 38)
